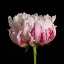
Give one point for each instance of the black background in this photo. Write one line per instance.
(48, 54)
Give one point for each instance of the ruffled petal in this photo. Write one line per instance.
(29, 29)
(11, 22)
(53, 18)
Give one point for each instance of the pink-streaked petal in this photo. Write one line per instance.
(47, 36)
(38, 31)
(51, 34)
(43, 38)
(20, 40)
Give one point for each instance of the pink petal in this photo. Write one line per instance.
(51, 34)
(43, 38)
(32, 43)
(38, 31)
(47, 36)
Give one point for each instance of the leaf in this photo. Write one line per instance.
(26, 49)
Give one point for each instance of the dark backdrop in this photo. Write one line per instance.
(48, 54)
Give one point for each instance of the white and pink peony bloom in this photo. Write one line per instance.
(29, 29)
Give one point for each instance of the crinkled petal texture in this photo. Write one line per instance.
(31, 29)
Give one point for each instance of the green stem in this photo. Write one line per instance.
(34, 52)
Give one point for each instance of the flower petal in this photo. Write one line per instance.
(47, 24)
(38, 31)
(20, 40)
(53, 18)
(13, 35)
(11, 22)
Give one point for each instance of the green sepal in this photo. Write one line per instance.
(36, 46)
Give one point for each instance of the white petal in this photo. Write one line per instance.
(53, 18)
(47, 24)
(13, 36)
(10, 21)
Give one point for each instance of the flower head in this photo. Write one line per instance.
(29, 29)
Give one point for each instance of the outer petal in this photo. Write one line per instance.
(47, 36)
(54, 29)
(13, 35)
(20, 40)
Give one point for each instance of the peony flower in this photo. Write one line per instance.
(29, 29)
